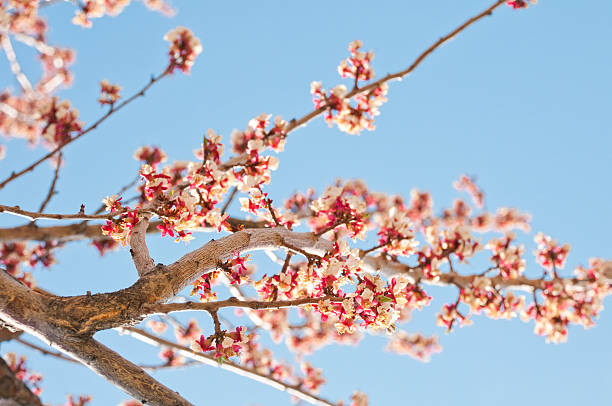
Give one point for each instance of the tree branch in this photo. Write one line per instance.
(53, 182)
(92, 127)
(296, 123)
(125, 375)
(162, 308)
(138, 247)
(44, 351)
(228, 366)
(33, 215)
(80, 231)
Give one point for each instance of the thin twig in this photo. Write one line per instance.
(53, 182)
(272, 213)
(310, 257)
(45, 351)
(120, 192)
(169, 366)
(374, 248)
(33, 215)
(332, 227)
(229, 200)
(110, 112)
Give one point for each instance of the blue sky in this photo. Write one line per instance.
(521, 100)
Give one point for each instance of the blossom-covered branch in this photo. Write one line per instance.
(228, 366)
(234, 302)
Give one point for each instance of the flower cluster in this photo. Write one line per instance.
(12, 255)
(261, 129)
(377, 303)
(236, 269)
(335, 208)
(457, 215)
(94, 9)
(55, 64)
(211, 149)
(449, 315)
(299, 203)
(280, 286)
(508, 218)
(359, 399)
(61, 122)
(224, 344)
(184, 48)
(185, 195)
(458, 241)
(506, 257)
(481, 296)
(186, 335)
(157, 326)
(170, 357)
(351, 119)
(81, 401)
(569, 301)
(415, 345)
(358, 64)
(395, 234)
(109, 93)
(98, 8)
(420, 206)
(159, 6)
(262, 361)
(193, 206)
(203, 287)
(469, 185)
(549, 254)
(119, 229)
(104, 246)
(316, 333)
(313, 377)
(516, 4)
(151, 156)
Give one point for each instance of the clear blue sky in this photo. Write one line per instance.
(521, 100)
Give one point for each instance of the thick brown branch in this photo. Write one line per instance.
(122, 373)
(138, 247)
(34, 313)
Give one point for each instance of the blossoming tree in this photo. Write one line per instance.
(345, 262)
